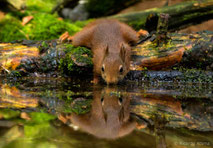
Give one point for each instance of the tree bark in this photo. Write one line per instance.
(182, 15)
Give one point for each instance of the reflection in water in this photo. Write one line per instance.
(12, 97)
(103, 116)
(109, 116)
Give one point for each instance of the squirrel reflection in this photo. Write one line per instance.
(109, 116)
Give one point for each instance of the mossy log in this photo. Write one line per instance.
(51, 58)
(191, 50)
(97, 8)
(182, 15)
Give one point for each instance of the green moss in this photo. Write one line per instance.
(81, 24)
(162, 46)
(195, 75)
(78, 106)
(77, 102)
(44, 46)
(14, 74)
(8, 113)
(38, 117)
(37, 130)
(39, 124)
(11, 29)
(137, 23)
(81, 55)
(40, 5)
(43, 27)
(46, 26)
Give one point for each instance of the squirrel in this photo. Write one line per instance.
(110, 42)
(109, 117)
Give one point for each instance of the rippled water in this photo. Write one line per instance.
(74, 113)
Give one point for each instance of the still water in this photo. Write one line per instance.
(64, 113)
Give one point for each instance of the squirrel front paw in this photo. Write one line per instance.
(65, 37)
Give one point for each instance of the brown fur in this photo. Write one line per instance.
(109, 40)
(109, 116)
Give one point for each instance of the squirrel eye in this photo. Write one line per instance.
(102, 99)
(121, 69)
(102, 69)
(120, 101)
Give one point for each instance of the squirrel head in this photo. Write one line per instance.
(115, 65)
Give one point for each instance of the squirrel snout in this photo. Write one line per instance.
(111, 80)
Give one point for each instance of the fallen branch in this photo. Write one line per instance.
(182, 15)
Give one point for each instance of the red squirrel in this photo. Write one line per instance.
(109, 117)
(110, 42)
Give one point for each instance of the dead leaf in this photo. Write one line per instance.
(25, 116)
(60, 18)
(26, 20)
(140, 126)
(142, 33)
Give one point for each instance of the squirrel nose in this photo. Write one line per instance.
(111, 80)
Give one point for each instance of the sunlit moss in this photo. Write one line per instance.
(38, 117)
(8, 113)
(81, 24)
(46, 26)
(41, 5)
(38, 124)
(11, 29)
(42, 27)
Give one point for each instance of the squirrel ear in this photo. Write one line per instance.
(122, 52)
(107, 50)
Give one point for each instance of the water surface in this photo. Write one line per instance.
(74, 113)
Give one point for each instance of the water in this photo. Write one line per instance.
(74, 113)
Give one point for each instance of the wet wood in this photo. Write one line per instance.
(183, 48)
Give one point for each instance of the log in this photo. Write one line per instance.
(153, 52)
(182, 15)
(191, 50)
(102, 8)
(51, 58)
